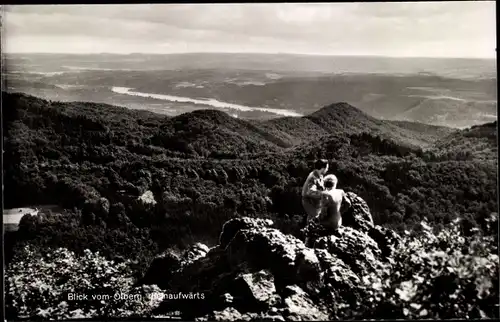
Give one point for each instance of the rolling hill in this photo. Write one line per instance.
(343, 118)
(434, 132)
(213, 132)
(293, 130)
(210, 131)
(477, 142)
(443, 111)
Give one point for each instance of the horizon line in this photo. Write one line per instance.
(248, 53)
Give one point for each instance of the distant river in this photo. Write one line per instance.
(207, 102)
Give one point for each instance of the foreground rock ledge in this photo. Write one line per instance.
(257, 272)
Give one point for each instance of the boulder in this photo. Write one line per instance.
(228, 314)
(161, 269)
(195, 252)
(231, 227)
(254, 291)
(358, 216)
(260, 285)
(207, 276)
(341, 285)
(314, 230)
(266, 248)
(307, 265)
(299, 307)
(359, 251)
(335, 273)
(271, 317)
(202, 273)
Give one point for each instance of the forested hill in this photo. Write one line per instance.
(478, 142)
(205, 167)
(434, 132)
(342, 118)
(214, 133)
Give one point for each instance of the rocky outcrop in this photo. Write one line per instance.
(359, 251)
(298, 306)
(258, 272)
(194, 252)
(232, 227)
(161, 269)
(358, 216)
(163, 266)
(254, 291)
(266, 248)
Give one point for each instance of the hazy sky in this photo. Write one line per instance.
(426, 29)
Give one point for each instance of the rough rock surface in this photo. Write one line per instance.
(259, 273)
(300, 307)
(266, 248)
(233, 226)
(254, 291)
(161, 269)
(194, 252)
(357, 250)
(358, 216)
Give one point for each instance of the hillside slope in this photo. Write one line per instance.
(205, 132)
(294, 130)
(477, 142)
(344, 118)
(200, 133)
(450, 111)
(211, 131)
(433, 132)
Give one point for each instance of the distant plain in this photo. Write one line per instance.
(449, 92)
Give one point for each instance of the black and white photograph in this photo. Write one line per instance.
(250, 161)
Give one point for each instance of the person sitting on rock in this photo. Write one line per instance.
(312, 190)
(332, 202)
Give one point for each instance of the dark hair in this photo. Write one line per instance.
(329, 184)
(320, 164)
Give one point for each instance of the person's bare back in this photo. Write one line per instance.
(330, 215)
(331, 204)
